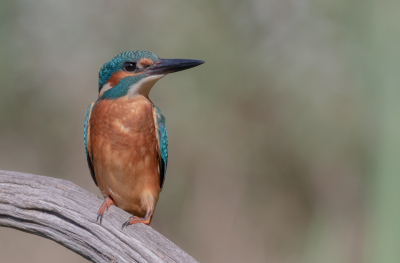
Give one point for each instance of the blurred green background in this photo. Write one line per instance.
(284, 145)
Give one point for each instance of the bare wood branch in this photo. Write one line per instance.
(66, 213)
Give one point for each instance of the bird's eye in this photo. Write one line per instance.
(129, 66)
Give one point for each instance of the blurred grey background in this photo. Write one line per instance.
(284, 145)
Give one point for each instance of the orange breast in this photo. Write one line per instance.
(125, 152)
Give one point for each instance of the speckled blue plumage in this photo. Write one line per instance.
(85, 138)
(163, 141)
(117, 62)
(85, 127)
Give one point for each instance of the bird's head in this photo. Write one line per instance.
(135, 72)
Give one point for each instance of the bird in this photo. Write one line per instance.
(125, 136)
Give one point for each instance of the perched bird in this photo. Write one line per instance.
(125, 136)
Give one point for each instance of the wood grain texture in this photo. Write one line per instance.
(66, 213)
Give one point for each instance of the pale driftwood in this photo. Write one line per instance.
(66, 213)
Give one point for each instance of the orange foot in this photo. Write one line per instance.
(106, 204)
(135, 219)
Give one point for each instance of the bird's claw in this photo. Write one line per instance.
(104, 207)
(135, 220)
(127, 223)
(99, 217)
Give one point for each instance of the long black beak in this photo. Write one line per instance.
(165, 66)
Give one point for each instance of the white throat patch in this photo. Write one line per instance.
(105, 87)
(144, 86)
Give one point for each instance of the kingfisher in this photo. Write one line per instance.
(125, 136)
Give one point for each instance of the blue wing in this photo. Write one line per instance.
(163, 143)
(86, 138)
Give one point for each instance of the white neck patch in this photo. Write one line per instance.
(105, 87)
(143, 86)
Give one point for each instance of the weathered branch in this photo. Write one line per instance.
(66, 213)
